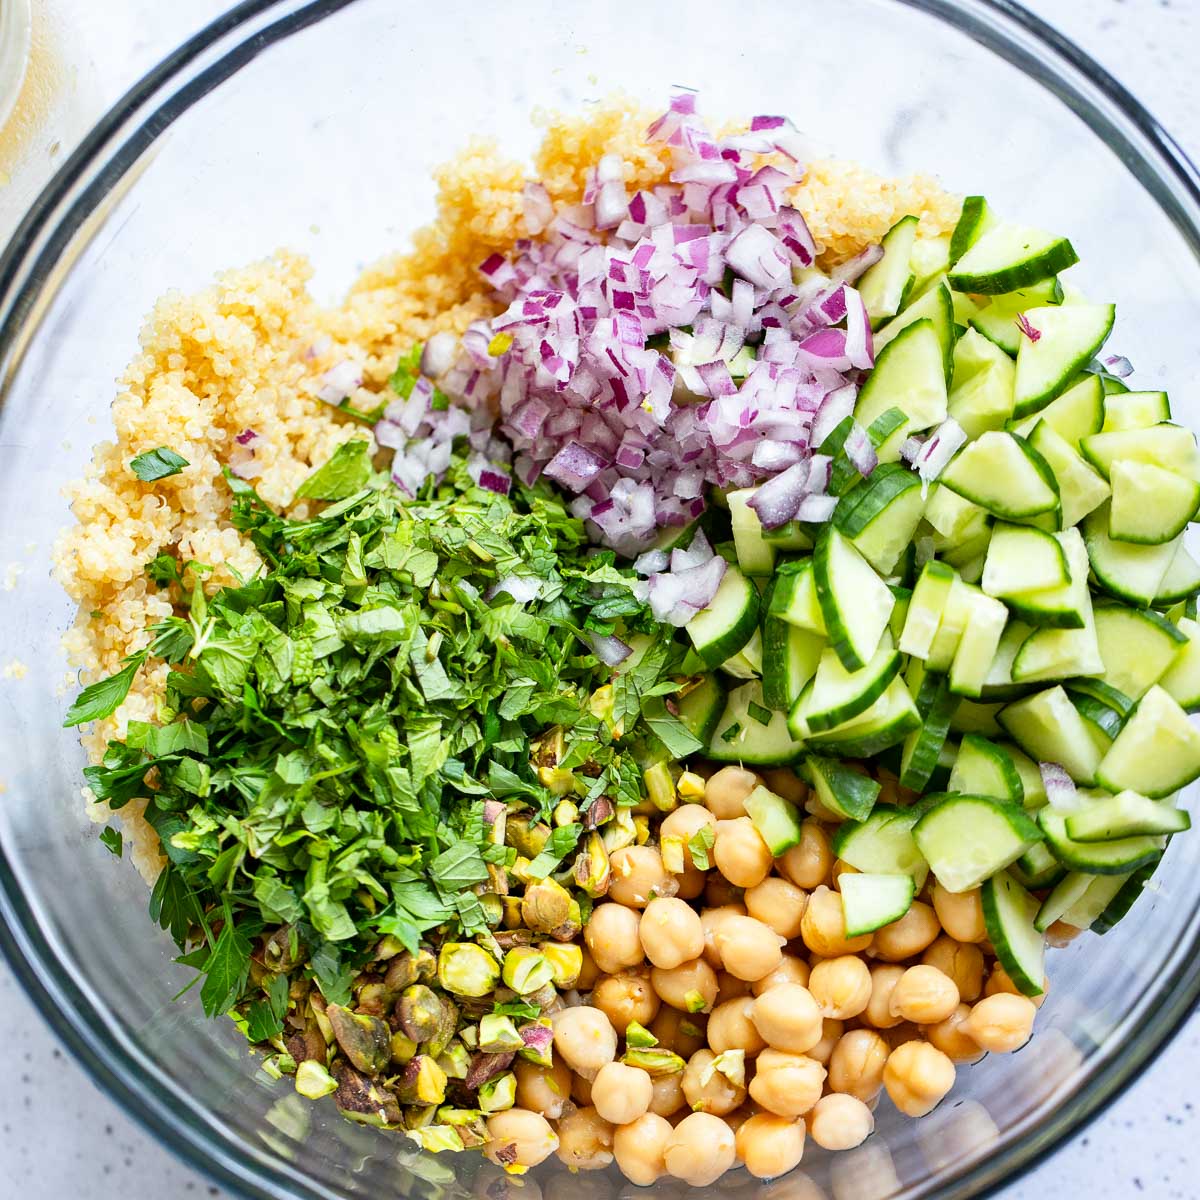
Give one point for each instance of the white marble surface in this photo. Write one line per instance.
(60, 1137)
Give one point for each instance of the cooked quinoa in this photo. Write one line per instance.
(249, 352)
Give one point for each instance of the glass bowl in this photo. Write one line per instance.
(315, 126)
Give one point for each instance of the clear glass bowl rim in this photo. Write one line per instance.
(28, 265)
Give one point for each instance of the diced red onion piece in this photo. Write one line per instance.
(852, 268)
(1027, 328)
(697, 554)
(1118, 365)
(835, 408)
(651, 562)
(438, 353)
(339, 382)
(1060, 787)
(941, 446)
(777, 501)
(816, 509)
(859, 450)
(611, 651)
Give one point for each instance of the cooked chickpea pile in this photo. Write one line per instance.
(772, 1025)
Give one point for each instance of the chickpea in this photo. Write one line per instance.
(906, 1031)
(807, 864)
(749, 949)
(908, 936)
(621, 1094)
(520, 1133)
(717, 1094)
(711, 920)
(611, 934)
(730, 987)
(585, 1038)
(840, 868)
(840, 1122)
(686, 821)
(823, 926)
(1002, 1023)
(786, 1084)
(588, 972)
(779, 904)
(961, 961)
(626, 997)
(884, 977)
(671, 933)
(691, 987)
(719, 892)
(679, 1031)
(961, 913)
(700, 1149)
(585, 1140)
(792, 969)
(731, 1027)
(638, 1149)
(544, 1090)
(770, 1146)
(1000, 981)
(666, 1096)
(638, 875)
(1059, 934)
(692, 883)
(924, 995)
(740, 853)
(857, 1063)
(581, 1091)
(788, 1018)
(841, 986)
(831, 1034)
(952, 1037)
(725, 793)
(917, 1076)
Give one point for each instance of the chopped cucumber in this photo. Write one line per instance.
(1009, 912)
(1037, 868)
(1102, 890)
(837, 695)
(1150, 504)
(1048, 728)
(955, 521)
(755, 555)
(936, 306)
(1008, 257)
(882, 844)
(700, 707)
(999, 683)
(747, 662)
(1156, 753)
(1068, 337)
(1123, 569)
(1000, 472)
(974, 716)
(886, 723)
(950, 628)
(854, 601)
(1032, 784)
(919, 757)
(884, 285)
(794, 597)
(1126, 815)
(1068, 892)
(1076, 414)
(929, 263)
(1123, 900)
(1116, 857)
(1135, 410)
(1023, 559)
(1137, 646)
(998, 320)
(967, 839)
(978, 644)
(984, 769)
(719, 631)
(749, 732)
(981, 397)
(1080, 488)
(880, 515)
(776, 819)
(1182, 580)
(1168, 446)
(909, 374)
(870, 901)
(790, 657)
(1182, 679)
(849, 793)
(975, 219)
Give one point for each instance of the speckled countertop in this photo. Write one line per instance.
(59, 1137)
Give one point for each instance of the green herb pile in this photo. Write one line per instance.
(333, 726)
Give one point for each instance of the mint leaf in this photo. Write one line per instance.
(157, 464)
(347, 471)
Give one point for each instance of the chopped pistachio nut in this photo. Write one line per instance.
(527, 836)
(671, 849)
(538, 1037)
(498, 1094)
(365, 1040)
(279, 1065)
(654, 1060)
(419, 1012)
(641, 829)
(436, 1138)
(638, 1037)
(512, 912)
(498, 1035)
(493, 908)
(545, 906)
(520, 869)
(313, 1081)
(455, 1060)
(566, 962)
(566, 812)
(593, 870)
(620, 831)
(388, 948)
(695, 1001)
(660, 787)
(402, 1046)
(690, 786)
(467, 970)
(526, 970)
(731, 1064)
(424, 1082)
(557, 780)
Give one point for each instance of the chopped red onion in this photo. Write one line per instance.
(939, 448)
(651, 562)
(1024, 325)
(519, 588)
(816, 509)
(859, 450)
(245, 437)
(1119, 366)
(537, 207)
(778, 500)
(852, 268)
(611, 651)
(438, 354)
(339, 382)
(696, 555)
(835, 408)
(1060, 787)
(574, 466)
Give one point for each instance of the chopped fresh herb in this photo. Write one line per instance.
(102, 698)
(732, 732)
(112, 839)
(759, 713)
(347, 471)
(699, 845)
(157, 464)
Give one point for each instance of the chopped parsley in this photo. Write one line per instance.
(157, 464)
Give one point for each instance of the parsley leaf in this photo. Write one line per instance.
(157, 464)
(102, 698)
(112, 839)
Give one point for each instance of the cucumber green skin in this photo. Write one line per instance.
(1037, 868)
(714, 653)
(970, 224)
(938, 712)
(1052, 261)
(994, 924)
(856, 929)
(1169, 639)
(858, 507)
(1087, 856)
(1108, 695)
(885, 815)
(701, 708)
(1107, 719)
(1166, 822)
(777, 820)
(1125, 899)
(867, 745)
(842, 790)
(839, 637)
(1184, 585)
(1061, 618)
(1067, 892)
(821, 722)
(999, 760)
(1031, 404)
